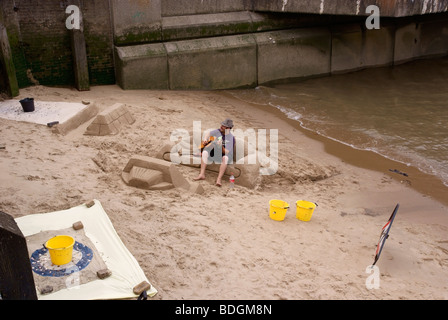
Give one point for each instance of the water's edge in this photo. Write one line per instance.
(423, 183)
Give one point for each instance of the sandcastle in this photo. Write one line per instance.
(110, 121)
(155, 174)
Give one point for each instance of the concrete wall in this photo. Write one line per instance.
(216, 44)
(276, 56)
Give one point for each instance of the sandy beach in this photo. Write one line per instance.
(222, 244)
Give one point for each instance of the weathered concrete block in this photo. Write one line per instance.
(213, 63)
(291, 54)
(407, 42)
(379, 47)
(434, 38)
(142, 66)
(110, 121)
(346, 48)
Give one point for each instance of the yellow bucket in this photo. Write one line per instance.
(61, 249)
(304, 210)
(277, 209)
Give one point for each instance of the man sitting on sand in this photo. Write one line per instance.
(218, 145)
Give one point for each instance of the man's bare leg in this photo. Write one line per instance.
(204, 160)
(222, 170)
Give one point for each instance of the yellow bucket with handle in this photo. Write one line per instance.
(277, 209)
(304, 210)
(61, 249)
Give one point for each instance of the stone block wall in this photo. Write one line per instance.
(275, 56)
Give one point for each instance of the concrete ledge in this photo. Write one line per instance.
(213, 63)
(142, 66)
(205, 25)
(293, 54)
(110, 121)
(225, 23)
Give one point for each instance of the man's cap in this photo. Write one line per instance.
(227, 123)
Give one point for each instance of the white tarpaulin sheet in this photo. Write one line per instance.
(126, 272)
(44, 111)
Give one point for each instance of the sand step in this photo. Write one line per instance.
(110, 121)
(145, 178)
(156, 174)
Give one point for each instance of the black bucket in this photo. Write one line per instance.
(27, 104)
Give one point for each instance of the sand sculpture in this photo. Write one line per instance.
(245, 170)
(110, 121)
(155, 174)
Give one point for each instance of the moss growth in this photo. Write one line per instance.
(138, 36)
